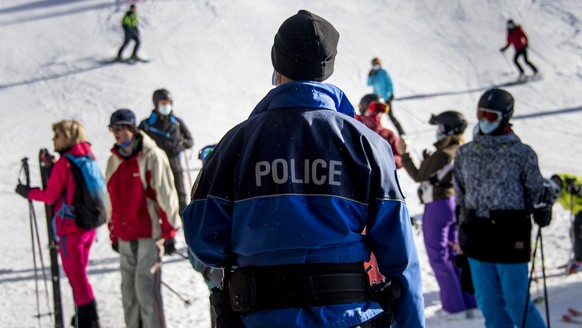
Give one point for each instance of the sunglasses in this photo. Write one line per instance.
(492, 116)
(117, 127)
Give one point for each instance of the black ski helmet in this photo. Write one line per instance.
(453, 122)
(366, 100)
(162, 94)
(498, 100)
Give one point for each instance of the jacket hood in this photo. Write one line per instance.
(80, 149)
(306, 94)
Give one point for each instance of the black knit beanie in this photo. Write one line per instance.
(305, 47)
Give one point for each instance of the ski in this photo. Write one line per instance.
(570, 319)
(128, 61)
(46, 161)
(574, 313)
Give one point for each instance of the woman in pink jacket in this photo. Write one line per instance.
(74, 242)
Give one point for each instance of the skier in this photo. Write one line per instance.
(286, 194)
(171, 135)
(381, 83)
(143, 212)
(570, 197)
(497, 184)
(371, 109)
(516, 37)
(439, 220)
(131, 32)
(74, 242)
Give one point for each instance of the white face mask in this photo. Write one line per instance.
(376, 67)
(165, 109)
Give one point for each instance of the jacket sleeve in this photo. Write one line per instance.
(162, 182)
(389, 87)
(187, 140)
(392, 241)
(532, 179)
(458, 182)
(109, 170)
(55, 185)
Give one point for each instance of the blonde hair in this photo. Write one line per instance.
(72, 130)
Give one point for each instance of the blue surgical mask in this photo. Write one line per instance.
(165, 109)
(488, 127)
(274, 78)
(125, 144)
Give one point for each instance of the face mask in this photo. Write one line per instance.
(376, 67)
(125, 144)
(487, 127)
(165, 109)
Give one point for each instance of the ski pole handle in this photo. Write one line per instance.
(26, 171)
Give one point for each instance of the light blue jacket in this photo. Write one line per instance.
(381, 84)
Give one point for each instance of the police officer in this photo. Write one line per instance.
(286, 194)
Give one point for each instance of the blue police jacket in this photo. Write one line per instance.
(298, 182)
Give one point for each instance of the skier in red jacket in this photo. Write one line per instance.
(517, 37)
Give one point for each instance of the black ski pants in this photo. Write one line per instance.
(523, 53)
(179, 182)
(129, 37)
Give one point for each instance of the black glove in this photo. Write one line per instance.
(426, 153)
(542, 215)
(169, 246)
(115, 247)
(571, 188)
(22, 190)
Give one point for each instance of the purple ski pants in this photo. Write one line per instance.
(438, 228)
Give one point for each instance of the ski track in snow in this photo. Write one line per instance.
(214, 55)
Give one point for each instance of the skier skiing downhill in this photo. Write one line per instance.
(129, 24)
(516, 37)
(497, 185)
(285, 195)
(74, 242)
(439, 220)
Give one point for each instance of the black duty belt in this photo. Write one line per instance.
(297, 285)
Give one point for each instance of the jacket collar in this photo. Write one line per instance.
(306, 94)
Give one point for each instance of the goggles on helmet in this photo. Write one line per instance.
(493, 116)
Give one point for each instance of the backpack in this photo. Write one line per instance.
(89, 199)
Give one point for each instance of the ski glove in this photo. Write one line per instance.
(542, 215)
(169, 246)
(115, 247)
(22, 190)
(574, 189)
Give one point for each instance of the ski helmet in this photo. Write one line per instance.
(510, 24)
(498, 100)
(366, 100)
(452, 121)
(162, 94)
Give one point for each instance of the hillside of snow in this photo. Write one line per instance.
(214, 55)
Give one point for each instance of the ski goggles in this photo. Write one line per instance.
(492, 116)
(205, 152)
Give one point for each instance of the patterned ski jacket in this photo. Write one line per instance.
(568, 201)
(298, 182)
(497, 181)
(60, 191)
(381, 84)
(373, 122)
(141, 198)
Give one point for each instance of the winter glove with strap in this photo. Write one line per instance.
(22, 190)
(169, 246)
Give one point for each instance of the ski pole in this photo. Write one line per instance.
(544, 277)
(506, 61)
(533, 265)
(35, 237)
(186, 301)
